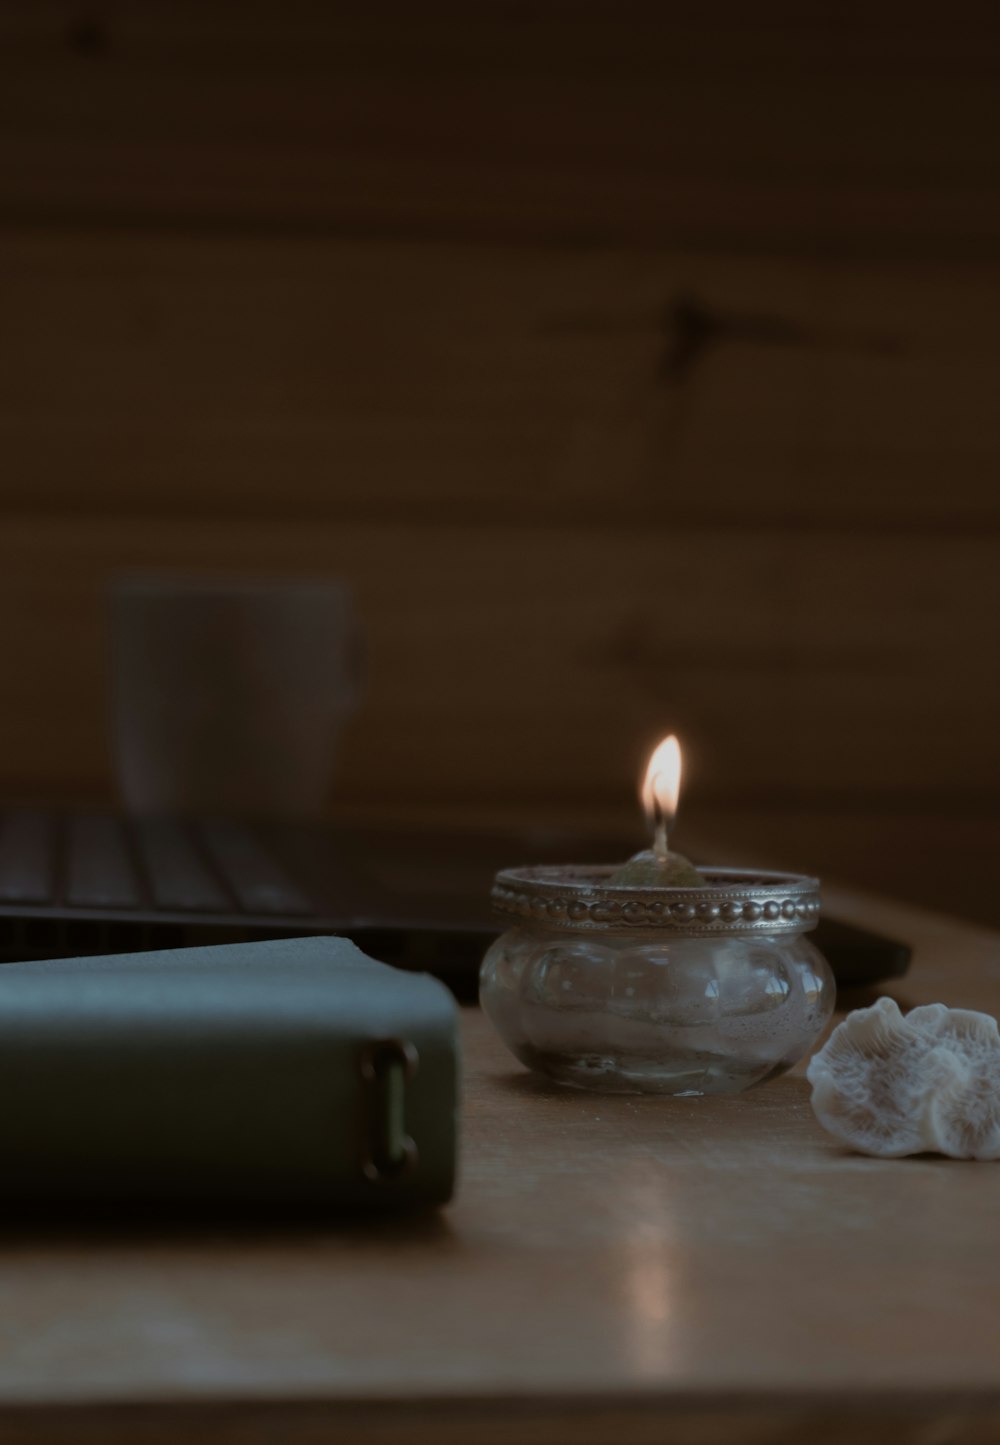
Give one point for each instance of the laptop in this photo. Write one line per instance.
(83, 882)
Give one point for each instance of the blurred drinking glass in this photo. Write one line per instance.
(228, 695)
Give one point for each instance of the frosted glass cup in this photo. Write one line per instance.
(228, 695)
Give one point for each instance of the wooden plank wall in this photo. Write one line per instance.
(638, 364)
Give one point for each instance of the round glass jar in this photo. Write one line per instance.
(657, 990)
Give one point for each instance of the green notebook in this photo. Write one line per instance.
(292, 1072)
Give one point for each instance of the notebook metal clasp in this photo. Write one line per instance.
(386, 1067)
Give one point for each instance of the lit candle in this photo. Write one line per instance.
(657, 867)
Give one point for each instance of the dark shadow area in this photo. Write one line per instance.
(114, 1227)
(849, 999)
(535, 1085)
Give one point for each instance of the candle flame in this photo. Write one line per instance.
(660, 790)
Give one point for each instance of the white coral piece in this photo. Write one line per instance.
(890, 1085)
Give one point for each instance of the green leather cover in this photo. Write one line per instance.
(242, 1072)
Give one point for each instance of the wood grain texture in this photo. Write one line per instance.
(637, 364)
(614, 1269)
(778, 125)
(180, 376)
(512, 664)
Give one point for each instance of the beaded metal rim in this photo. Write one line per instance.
(734, 900)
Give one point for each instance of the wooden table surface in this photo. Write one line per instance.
(614, 1270)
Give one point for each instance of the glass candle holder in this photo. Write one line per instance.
(657, 990)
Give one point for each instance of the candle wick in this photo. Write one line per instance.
(659, 830)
